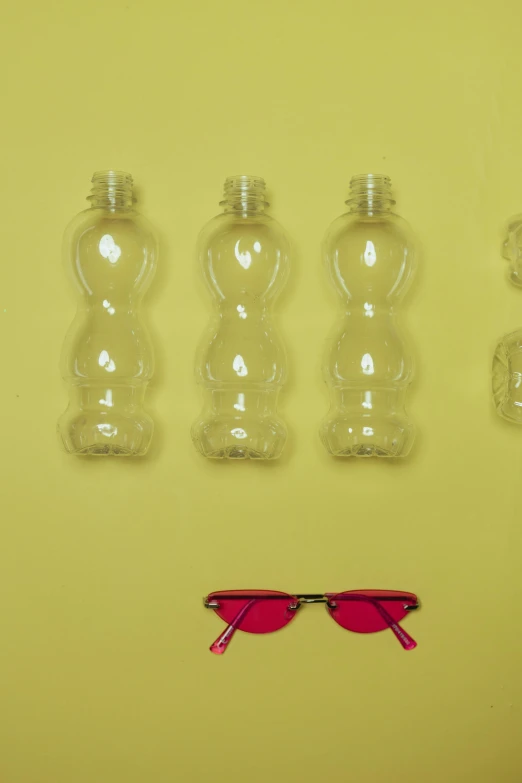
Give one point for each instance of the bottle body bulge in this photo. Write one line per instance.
(107, 360)
(241, 364)
(369, 255)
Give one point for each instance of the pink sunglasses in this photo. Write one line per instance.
(264, 611)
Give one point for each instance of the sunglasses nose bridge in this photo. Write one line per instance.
(315, 599)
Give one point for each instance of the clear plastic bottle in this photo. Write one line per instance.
(242, 365)
(107, 359)
(507, 361)
(369, 254)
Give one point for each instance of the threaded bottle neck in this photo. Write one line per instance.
(370, 193)
(244, 194)
(111, 189)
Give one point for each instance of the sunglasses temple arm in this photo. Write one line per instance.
(224, 639)
(407, 641)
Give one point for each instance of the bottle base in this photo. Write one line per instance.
(232, 439)
(84, 435)
(384, 439)
(232, 452)
(99, 450)
(363, 450)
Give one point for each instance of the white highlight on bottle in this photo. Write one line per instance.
(108, 399)
(245, 259)
(367, 364)
(370, 256)
(105, 361)
(239, 366)
(367, 402)
(240, 404)
(109, 249)
(108, 430)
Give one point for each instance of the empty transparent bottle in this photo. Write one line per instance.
(107, 359)
(369, 254)
(507, 362)
(241, 365)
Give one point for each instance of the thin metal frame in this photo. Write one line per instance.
(308, 598)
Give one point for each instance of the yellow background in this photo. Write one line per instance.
(105, 674)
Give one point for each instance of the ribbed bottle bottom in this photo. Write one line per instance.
(240, 425)
(347, 438)
(106, 422)
(353, 430)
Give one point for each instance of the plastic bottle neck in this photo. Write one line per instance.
(370, 194)
(245, 195)
(112, 190)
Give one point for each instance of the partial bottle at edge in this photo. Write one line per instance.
(507, 362)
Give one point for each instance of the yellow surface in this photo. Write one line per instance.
(105, 675)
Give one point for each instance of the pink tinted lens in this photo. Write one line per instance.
(358, 610)
(254, 611)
